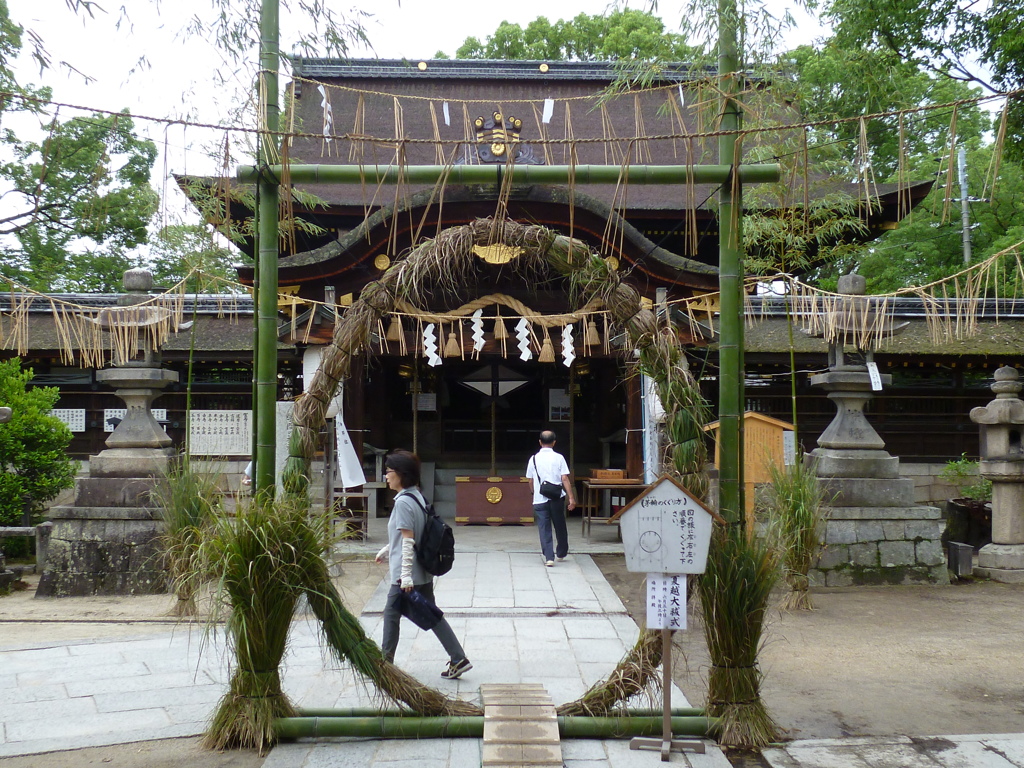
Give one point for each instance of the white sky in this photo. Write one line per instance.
(109, 47)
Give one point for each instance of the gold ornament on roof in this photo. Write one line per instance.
(499, 253)
(498, 136)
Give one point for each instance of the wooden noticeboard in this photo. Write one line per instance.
(493, 500)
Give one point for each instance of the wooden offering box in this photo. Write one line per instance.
(493, 500)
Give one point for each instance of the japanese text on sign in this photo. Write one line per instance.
(666, 601)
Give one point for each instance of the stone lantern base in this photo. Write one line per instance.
(1001, 562)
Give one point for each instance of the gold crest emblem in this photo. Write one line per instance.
(493, 494)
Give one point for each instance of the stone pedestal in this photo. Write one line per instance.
(875, 533)
(104, 551)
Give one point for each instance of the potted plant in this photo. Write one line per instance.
(969, 514)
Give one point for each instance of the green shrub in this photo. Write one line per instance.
(34, 466)
(963, 475)
(793, 508)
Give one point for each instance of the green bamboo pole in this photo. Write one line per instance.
(521, 174)
(373, 712)
(473, 727)
(266, 225)
(730, 278)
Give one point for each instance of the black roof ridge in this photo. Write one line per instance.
(488, 69)
(206, 304)
(905, 306)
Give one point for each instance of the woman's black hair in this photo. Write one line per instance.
(407, 465)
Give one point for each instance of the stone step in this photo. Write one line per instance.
(520, 726)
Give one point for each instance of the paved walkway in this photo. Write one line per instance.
(563, 627)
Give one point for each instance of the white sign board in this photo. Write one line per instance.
(284, 425)
(350, 468)
(73, 417)
(220, 433)
(666, 530)
(789, 447)
(666, 601)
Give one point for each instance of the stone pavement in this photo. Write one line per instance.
(964, 751)
(562, 627)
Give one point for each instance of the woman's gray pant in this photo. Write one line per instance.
(393, 619)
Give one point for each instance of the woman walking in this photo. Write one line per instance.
(405, 527)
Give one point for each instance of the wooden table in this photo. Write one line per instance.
(593, 491)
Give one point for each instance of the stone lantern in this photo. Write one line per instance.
(108, 540)
(874, 532)
(138, 446)
(1002, 462)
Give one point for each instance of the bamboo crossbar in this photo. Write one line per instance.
(521, 174)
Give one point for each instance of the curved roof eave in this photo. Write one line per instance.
(373, 234)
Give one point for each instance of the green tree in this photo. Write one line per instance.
(177, 249)
(928, 244)
(622, 34)
(960, 39)
(34, 466)
(80, 201)
(834, 83)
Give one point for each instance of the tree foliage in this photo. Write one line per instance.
(834, 83)
(79, 202)
(177, 249)
(74, 204)
(34, 466)
(622, 34)
(928, 244)
(959, 39)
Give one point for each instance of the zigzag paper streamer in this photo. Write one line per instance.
(478, 331)
(523, 334)
(328, 113)
(430, 345)
(568, 348)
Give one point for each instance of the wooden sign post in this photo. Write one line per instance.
(666, 533)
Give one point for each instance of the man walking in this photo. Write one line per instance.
(549, 481)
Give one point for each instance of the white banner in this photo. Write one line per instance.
(350, 468)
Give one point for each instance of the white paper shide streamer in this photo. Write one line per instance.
(430, 346)
(523, 334)
(478, 331)
(568, 347)
(328, 114)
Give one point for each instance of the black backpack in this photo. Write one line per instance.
(435, 550)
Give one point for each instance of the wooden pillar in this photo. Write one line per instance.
(355, 403)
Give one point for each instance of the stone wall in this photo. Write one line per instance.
(880, 545)
(929, 488)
